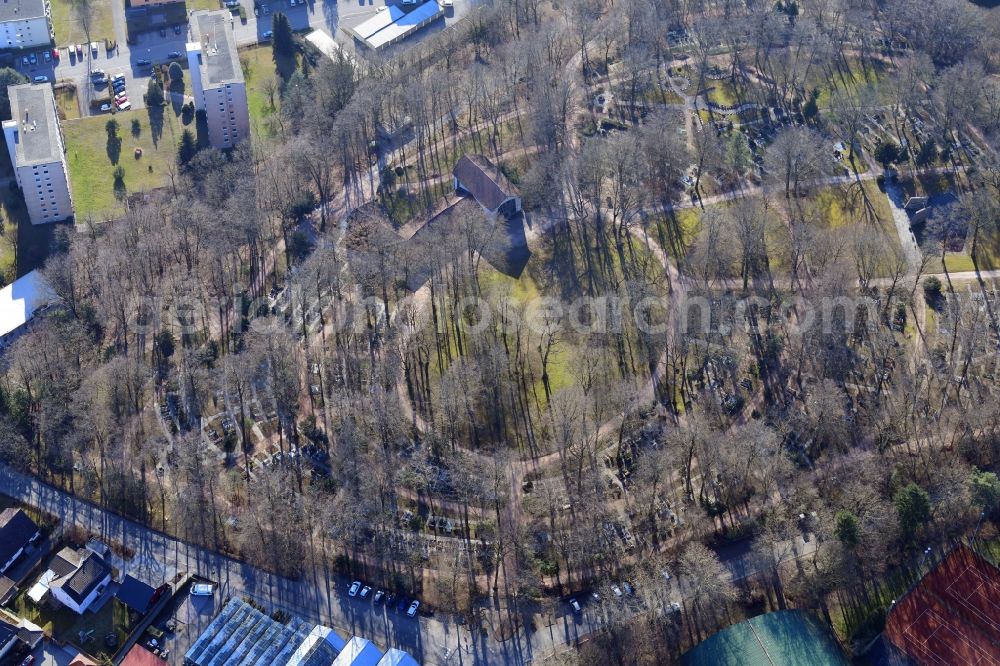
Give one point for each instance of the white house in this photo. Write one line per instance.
(25, 24)
(78, 577)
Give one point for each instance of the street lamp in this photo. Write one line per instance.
(927, 551)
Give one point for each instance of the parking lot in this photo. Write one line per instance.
(67, 64)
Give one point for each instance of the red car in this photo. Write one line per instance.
(55, 53)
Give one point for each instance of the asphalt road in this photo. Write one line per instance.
(320, 596)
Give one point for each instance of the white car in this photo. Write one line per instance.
(575, 605)
(41, 78)
(617, 590)
(412, 610)
(202, 590)
(355, 586)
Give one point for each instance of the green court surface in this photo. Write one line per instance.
(782, 638)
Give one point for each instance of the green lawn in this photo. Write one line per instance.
(721, 92)
(849, 81)
(195, 5)
(69, 24)
(92, 158)
(261, 77)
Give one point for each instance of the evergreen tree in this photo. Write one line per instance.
(187, 149)
(282, 41)
(154, 94)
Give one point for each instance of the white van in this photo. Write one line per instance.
(202, 590)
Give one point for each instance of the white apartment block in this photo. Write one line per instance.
(37, 153)
(217, 78)
(24, 24)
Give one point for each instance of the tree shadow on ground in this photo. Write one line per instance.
(114, 143)
(156, 124)
(176, 91)
(285, 66)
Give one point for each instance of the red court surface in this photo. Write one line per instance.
(952, 616)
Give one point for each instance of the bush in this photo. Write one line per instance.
(932, 289)
(887, 153)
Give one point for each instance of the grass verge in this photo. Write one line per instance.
(93, 155)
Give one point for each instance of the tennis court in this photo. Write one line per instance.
(953, 615)
(782, 638)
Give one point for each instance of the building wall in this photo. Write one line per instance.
(226, 113)
(64, 599)
(46, 192)
(6, 565)
(25, 33)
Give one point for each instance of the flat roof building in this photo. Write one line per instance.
(24, 24)
(37, 153)
(394, 24)
(217, 78)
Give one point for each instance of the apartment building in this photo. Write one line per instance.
(35, 143)
(217, 79)
(24, 24)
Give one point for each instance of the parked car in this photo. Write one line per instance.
(33, 59)
(627, 587)
(575, 605)
(41, 78)
(177, 29)
(55, 53)
(378, 596)
(365, 591)
(105, 108)
(412, 610)
(125, 106)
(97, 74)
(174, 55)
(29, 660)
(142, 62)
(355, 586)
(118, 77)
(25, 61)
(46, 56)
(617, 591)
(267, 34)
(202, 590)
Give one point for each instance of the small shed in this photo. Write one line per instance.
(135, 594)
